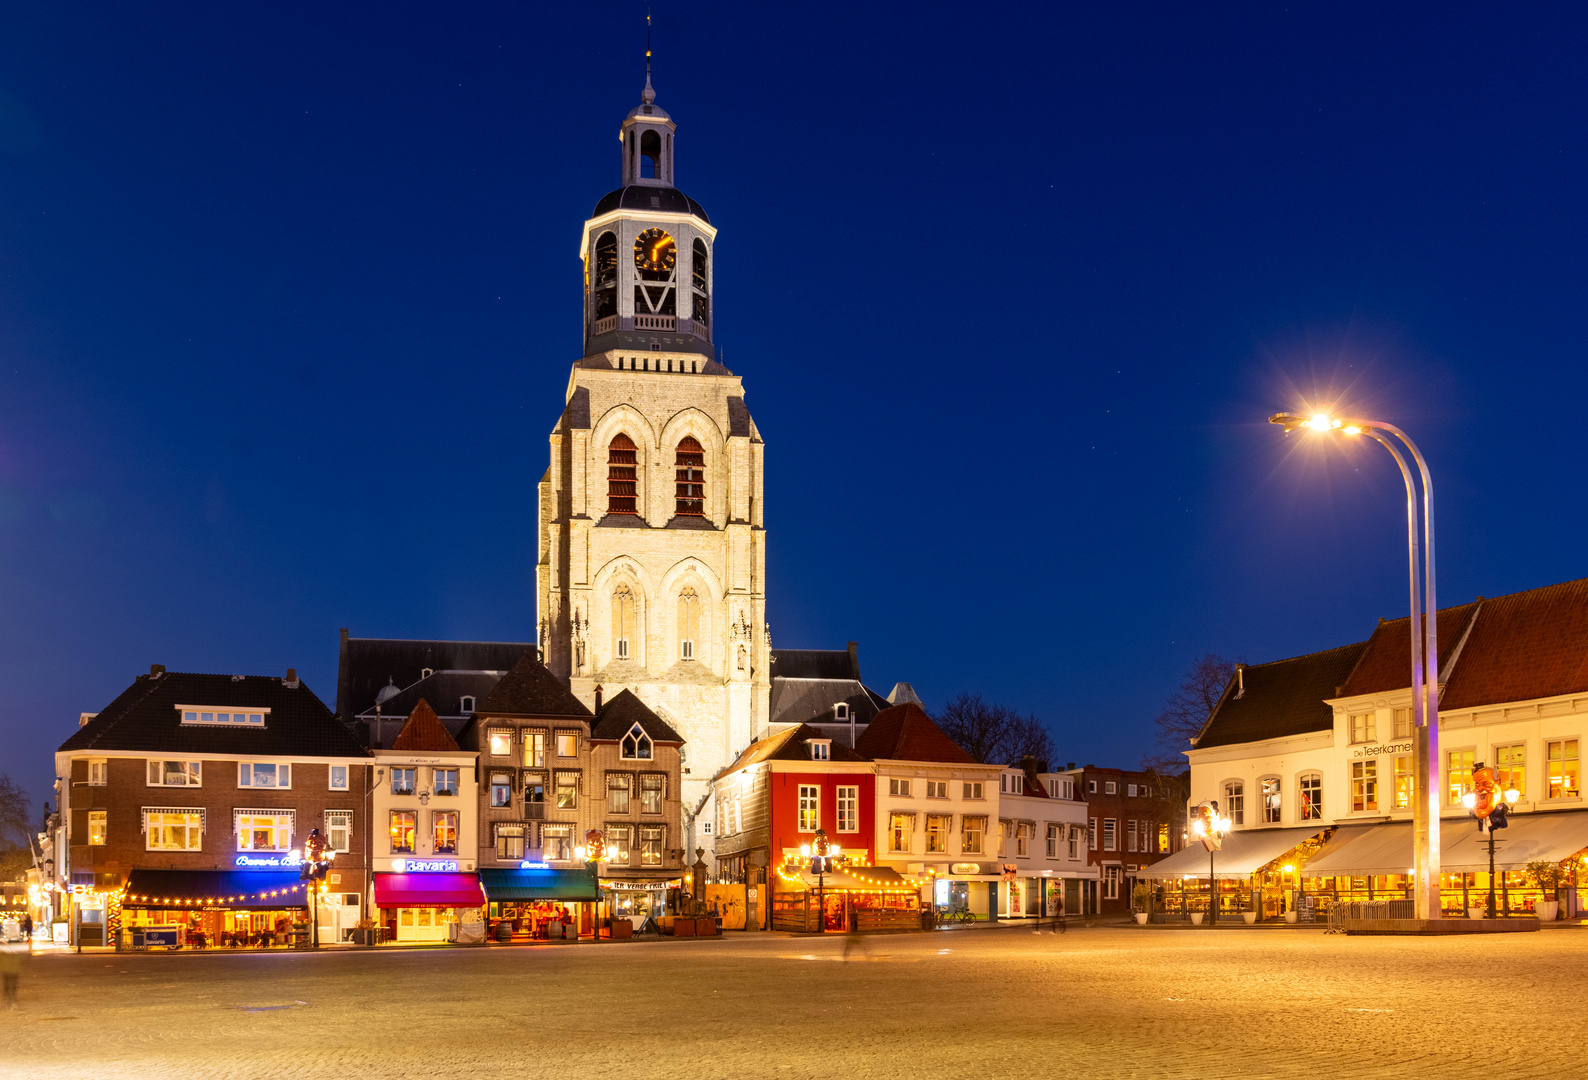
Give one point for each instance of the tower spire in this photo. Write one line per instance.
(648, 95)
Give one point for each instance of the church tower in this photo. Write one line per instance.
(652, 551)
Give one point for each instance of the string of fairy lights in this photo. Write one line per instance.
(789, 873)
(198, 902)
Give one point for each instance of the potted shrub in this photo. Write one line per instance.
(1547, 876)
(364, 932)
(1142, 896)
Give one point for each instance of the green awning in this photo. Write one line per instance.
(576, 886)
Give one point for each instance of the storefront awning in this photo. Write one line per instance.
(864, 879)
(1387, 848)
(257, 889)
(571, 886)
(427, 890)
(1244, 852)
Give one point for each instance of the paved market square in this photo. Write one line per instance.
(1103, 1002)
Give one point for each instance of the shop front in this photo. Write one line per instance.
(423, 899)
(1253, 871)
(214, 908)
(637, 899)
(539, 903)
(849, 900)
(965, 892)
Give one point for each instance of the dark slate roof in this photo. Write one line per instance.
(790, 746)
(1286, 697)
(906, 733)
(811, 701)
(424, 732)
(738, 417)
(625, 710)
(817, 663)
(1387, 663)
(646, 197)
(444, 689)
(368, 664)
(144, 718)
(531, 690)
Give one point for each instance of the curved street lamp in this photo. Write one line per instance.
(1424, 634)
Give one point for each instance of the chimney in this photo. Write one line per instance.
(156, 670)
(854, 660)
(598, 699)
(1069, 766)
(1240, 680)
(292, 678)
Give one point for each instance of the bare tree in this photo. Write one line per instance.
(1187, 710)
(15, 821)
(994, 733)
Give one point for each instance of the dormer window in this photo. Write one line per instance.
(636, 744)
(425, 673)
(841, 711)
(210, 716)
(467, 704)
(821, 749)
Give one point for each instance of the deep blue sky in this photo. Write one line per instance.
(289, 293)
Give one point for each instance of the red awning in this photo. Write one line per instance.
(428, 890)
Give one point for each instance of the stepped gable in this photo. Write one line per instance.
(906, 733)
(423, 731)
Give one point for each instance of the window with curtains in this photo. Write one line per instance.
(339, 830)
(1405, 783)
(1268, 786)
(652, 789)
(848, 808)
(1364, 785)
(509, 841)
(1510, 768)
(535, 749)
(651, 845)
(264, 830)
(1130, 835)
(810, 812)
(1022, 840)
(1309, 789)
(173, 829)
(618, 837)
(567, 791)
(1458, 774)
(1053, 841)
(556, 843)
(623, 475)
(937, 826)
(901, 829)
(404, 825)
(184, 774)
(444, 829)
(97, 827)
(1074, 842)
(972, 828)
(618, 793)
(1561, 766)
(501, 789)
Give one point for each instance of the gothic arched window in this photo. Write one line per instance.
(691, 477)
(688, 624)
(604, 277)
(623, 480)
(622, 622)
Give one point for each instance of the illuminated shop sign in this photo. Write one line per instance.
(424, 866)
(527, 865)
(965, 868)
(268, 862)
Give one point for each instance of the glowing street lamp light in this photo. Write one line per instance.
(1208, 827)
(1424, 636)
(1484, 803)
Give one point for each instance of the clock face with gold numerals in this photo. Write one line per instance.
(655, 252)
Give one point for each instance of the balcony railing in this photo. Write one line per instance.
(655, 322)
(604, 326)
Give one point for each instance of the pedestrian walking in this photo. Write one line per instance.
(11, 953)
(27, 927)
(1059, 919)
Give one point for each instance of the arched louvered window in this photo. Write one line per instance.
(623, 479)
(691, 477)
(604, 277)
(688, 624)
(622, 622)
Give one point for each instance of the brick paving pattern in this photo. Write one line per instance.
(1106, 1002)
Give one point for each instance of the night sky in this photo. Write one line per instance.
(289, 295)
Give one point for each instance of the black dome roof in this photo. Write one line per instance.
(645, 197)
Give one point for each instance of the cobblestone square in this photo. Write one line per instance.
(1105, 1002)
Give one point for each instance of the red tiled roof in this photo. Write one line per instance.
(1523, 646)
(1387, 663)
(906, 733)
(423, 731)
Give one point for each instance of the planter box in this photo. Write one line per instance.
(1196, 918)
(683, 927)
(1141, 918)
(1249, 916)
(1547, 910)
(364, 937)
(622, 929)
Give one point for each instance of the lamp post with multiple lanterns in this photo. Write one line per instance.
(1208, 827)
(1484, 802)
(821, 855)
(1424, 643)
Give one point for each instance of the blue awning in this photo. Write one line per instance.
(575, 886)
(258, 889)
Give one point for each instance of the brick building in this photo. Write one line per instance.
(188, 798)
(1133, 820)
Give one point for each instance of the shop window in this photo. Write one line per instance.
(901, 830)
(1403, 723)
(535, 797)
(444, 826)
(1562, 757)
(446, 781)
(173, 829)
(652, 788)
(174, 774)
(1405, 783)
(404, 826)
(501, 743)
(556, 842)
(339, 830)
(651, 845)
(1510, 768)
(535, 749)
(1309, 788)
(1053, 842)
(98, 769)
(264, 830)
(848, 808)
(973, 790)
(1235, 802)
(810, 814)
(1364, 785)
(618, 837)
(1364, 727)
(1268, 787)
(636, 745)
(567, 791)
(567, 744)
(1458, 774)
(501, 789)
(1023, 840)
(900, 788)
(509, 841)
(937, 826)
(97, 826)
(623, 478)
(937, 789)
(1110, 826)
(338, 778)
(970, 837)
(617, 793)
(404, 781)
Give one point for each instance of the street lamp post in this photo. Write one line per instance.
(821, 856)
(1207, 826)
(1424, 639)
(1490, 812)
